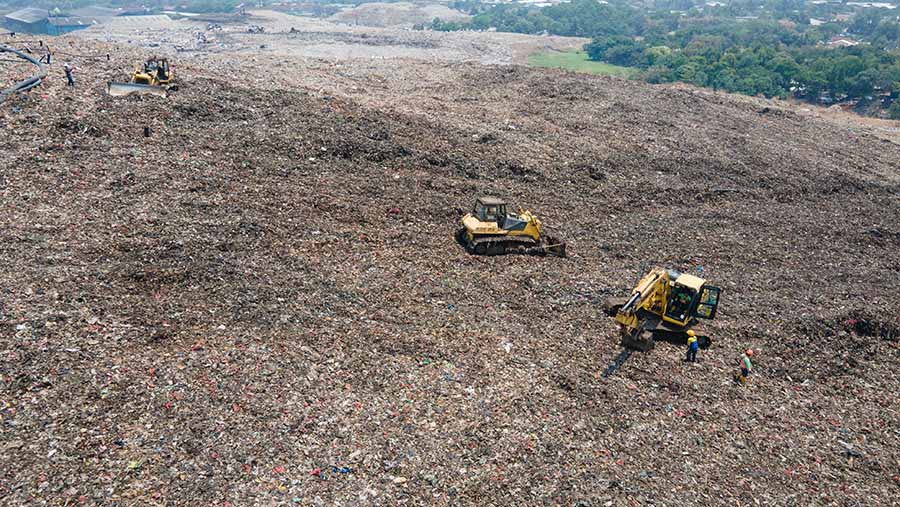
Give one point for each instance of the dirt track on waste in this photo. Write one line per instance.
(261, 303)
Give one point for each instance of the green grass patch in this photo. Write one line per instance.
(579, 62)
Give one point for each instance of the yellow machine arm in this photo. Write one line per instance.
(649, 290)
(666, 303)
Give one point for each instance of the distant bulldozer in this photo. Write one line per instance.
(154, 77)
(490, 230)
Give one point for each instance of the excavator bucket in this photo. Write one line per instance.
(637, 339)
(122, 89)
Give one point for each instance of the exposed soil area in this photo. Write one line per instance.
(261, 301)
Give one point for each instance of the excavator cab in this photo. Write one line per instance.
(708, 303)
(690, 297)
(679, 304)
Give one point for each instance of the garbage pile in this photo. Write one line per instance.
(244, 294)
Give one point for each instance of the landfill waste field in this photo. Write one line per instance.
(249, 292)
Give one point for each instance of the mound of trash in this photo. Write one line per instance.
(242, 294)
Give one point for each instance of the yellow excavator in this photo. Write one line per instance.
(490, 230)
(665, 304)
(155, 76)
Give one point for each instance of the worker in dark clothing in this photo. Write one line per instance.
(693, 346)
(68, 70)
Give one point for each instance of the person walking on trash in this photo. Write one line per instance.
(68, 70)
(693, 346)
(746, 367)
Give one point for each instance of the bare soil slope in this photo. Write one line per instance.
(261, 303)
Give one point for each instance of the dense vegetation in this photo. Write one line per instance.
(766, 48)
(756, 61)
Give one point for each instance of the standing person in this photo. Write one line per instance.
(693, 346)
(68, 70)
(746, 367)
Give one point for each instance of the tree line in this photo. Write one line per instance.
(769, 66)
(775, 52)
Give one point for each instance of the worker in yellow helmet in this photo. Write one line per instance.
(693, 346)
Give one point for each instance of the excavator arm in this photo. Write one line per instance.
(647, 289)
(650, 295)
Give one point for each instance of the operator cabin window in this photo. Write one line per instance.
(680, 302)
(491, 213)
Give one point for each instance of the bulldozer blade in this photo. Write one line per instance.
(555, 246)
(122, 89)
(558, 250)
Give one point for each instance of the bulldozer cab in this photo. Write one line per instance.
(154, 71)
(690, 297)
(158, 67)
(490, 209)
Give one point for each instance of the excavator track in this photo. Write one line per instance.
(649, 332)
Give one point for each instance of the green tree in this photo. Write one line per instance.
(894, 110)
(652, 54)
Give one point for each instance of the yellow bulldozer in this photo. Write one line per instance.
(155, 76)
(490, 230)
(665, 304)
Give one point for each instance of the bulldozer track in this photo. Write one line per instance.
(502, 245)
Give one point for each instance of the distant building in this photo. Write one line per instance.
(29, 20)
(842, 42)
(63, 25)
(815, 22)
(39, 21)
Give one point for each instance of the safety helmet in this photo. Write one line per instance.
(749, 352)
(691, 333)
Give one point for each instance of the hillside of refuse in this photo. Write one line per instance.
(248, 293)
